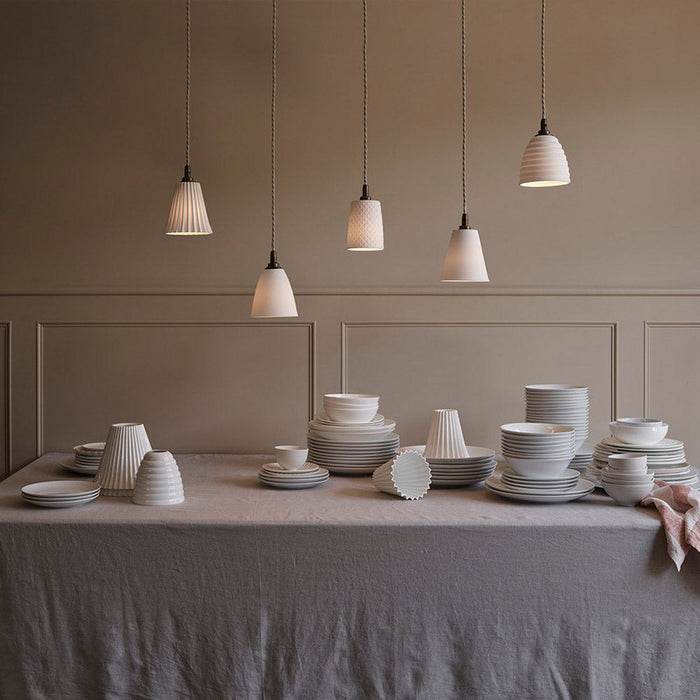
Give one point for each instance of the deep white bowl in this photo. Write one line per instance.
(626, 494)
(539, 468)
(291, 456)
(641, 435)
(628, 463)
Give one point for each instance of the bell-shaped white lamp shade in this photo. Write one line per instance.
(464, 261)
(274, 297)
(188, 214)
(544, 163)
(365, 227)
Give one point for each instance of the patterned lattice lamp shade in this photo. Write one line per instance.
(365, 227)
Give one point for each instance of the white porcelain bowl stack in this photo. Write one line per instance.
(351, 408)
(538, 455)
(86, 458)
(562, 404)
(60, 493)
(158, 481)
(626, 479)
(126, 445)
(666, 457)
(307, 476)
(350, 447)
(639, 431)
(406, 475)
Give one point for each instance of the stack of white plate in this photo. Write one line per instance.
(582, 458)
(86, 458)
(462, 471)
(666, 459)
(351, 447)
(564, 404)
(569, 486)
(305, 477)
(60, 494)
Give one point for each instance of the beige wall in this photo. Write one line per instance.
(104, 318)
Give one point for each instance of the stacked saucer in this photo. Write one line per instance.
(60, 494)
(561, 489)
(86, 458)
(563, 404)
(582, 458)
(350, 446)
(666, 459)
(305, 477)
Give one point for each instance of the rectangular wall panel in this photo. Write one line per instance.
(198, 387)
(672, 380)
(479, 368)
(5, 402)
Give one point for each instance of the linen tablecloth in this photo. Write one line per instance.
(339, 592)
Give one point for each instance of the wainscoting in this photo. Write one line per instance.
(203, 377)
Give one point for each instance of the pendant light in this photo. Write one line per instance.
(365, 228)
(188, 214)
(544, 162)
(274, 297)
(464, 261)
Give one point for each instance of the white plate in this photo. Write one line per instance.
(60, 489)
(274, 468)
(475, 454)
(582, 488)
(294, 485)
(76, 499)
(72, 466)
(323, 418)
(386, 424)
(301, 480)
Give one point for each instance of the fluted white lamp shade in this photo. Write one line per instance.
(188, 214)
(365, 227)
(274, 297)
(464, 261)
(544, 163)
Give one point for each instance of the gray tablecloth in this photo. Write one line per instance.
(339, 592)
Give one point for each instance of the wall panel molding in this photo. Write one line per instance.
(7, 395)
(42, 326)
(649, 326)
(346, 327)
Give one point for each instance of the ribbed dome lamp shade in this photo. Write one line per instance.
(464, 261)
(365, 226)
(544, 162)
(188, 213)
(274, 297)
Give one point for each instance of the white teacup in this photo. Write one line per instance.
(291, 457)
(628, 462)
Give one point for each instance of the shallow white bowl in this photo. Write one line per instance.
(640, 421)
(351, 399)
(627, 495)
(641, 435)
(535, 429)
(539, 468)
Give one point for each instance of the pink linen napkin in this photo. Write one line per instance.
(679, 508)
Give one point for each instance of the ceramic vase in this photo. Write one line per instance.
(126, 445)
(158, 482)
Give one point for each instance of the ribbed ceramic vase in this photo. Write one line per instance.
(158, 481)
(365, 227)
(188, 213)
(126, 445)
(407, 475)
(544, 163)
(445, 438)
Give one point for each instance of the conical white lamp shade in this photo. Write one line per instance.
(464, 261)
(544, 163)
(188, 214)
(365, 227)
(274, 297)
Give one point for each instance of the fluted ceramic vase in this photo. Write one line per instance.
(126, 445)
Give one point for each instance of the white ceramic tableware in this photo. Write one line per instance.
(158, 480)
(351, 408)
(640, 421)
(538, 468)
(445, 438)
(582, 488)
(637, 433)
(536, 429)
(407, 475)
(628, 494)
(291, 456)
(126, 445)
(628, 462)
